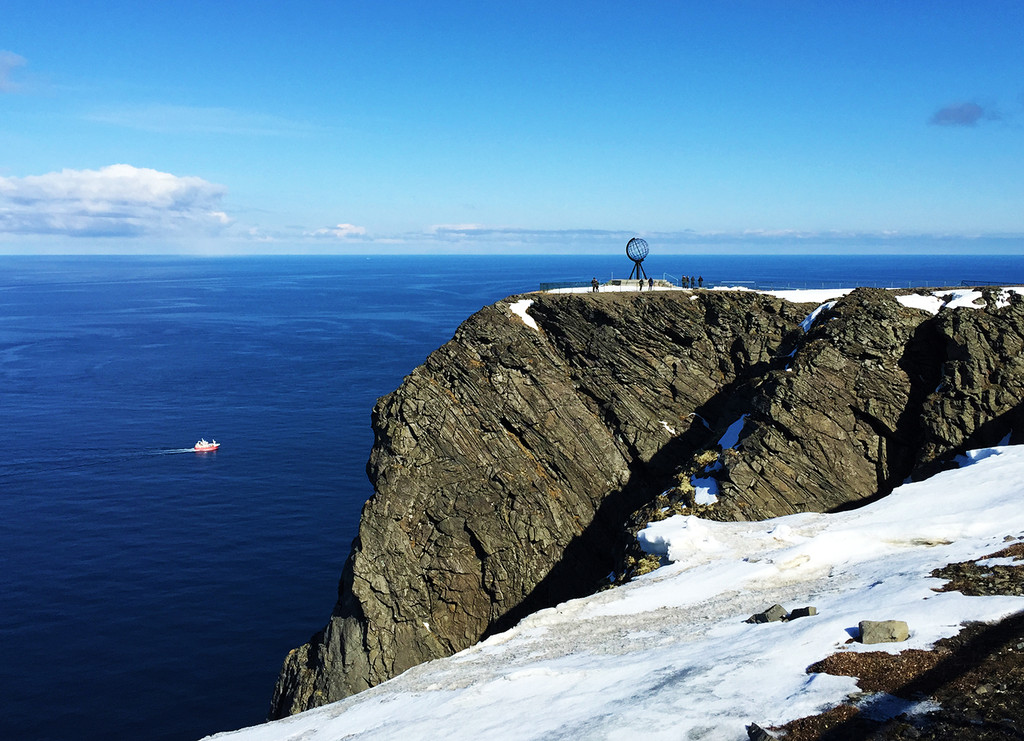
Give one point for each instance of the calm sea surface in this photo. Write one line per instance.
(151, 592)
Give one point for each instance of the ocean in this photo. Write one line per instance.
(148, 591)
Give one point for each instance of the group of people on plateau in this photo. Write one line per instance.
(686, 282)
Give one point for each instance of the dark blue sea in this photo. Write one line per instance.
(151, 592)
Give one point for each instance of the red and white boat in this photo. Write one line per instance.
(205, 447)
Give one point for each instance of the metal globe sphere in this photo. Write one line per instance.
(637, 249)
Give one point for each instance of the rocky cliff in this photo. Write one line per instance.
(506, 469)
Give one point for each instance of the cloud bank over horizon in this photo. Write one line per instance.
(114, 201)
(339, 231)
(124, 209)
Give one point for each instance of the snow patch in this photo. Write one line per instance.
(1002, 561)
(519, 309)
(962, 299)
(732, 434)
(678, 537)
(973, 456)
(931, 304)
(808, 322)
(818, 295)
(1003, 299)
(704, 421)
(882, 706)
(705, 489)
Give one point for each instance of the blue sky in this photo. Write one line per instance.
(296, 127)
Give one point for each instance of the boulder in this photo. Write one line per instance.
(883, 631)
(756, 733)
(774, 614)
(802, 612)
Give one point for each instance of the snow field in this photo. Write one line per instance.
(668, 655)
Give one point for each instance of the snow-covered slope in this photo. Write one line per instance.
(669, 656)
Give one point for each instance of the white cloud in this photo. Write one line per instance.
(482, 233)
(114, 201)
(258, 235)
(9, 61)
(456, 228)
(340, 231)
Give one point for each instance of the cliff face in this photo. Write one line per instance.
(505, 467)
(874, 393)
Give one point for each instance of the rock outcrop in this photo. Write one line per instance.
(506, 466)
(874, 393)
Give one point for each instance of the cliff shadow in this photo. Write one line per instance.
(921, 361)
(598, 551)
(1005, 428)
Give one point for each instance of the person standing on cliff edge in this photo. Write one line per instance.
(594, 286)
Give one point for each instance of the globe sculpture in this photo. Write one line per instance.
(636, 250)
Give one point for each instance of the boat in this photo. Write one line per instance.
(205, 447)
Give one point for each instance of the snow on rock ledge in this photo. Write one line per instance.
(519, 309)
(934, 302)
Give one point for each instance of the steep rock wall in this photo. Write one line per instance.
(505, 467)
(874, 393)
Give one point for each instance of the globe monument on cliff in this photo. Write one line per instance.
(636, 250)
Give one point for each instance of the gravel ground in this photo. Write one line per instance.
(973, 682)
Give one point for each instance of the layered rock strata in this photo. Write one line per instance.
(505, 467)
(874, 392)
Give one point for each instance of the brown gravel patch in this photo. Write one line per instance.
(973, 579)
(976, 677)
(878, 671)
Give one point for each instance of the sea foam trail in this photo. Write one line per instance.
(79, 460)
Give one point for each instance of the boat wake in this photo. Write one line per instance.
(80, 460)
